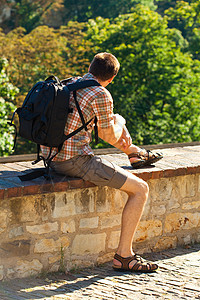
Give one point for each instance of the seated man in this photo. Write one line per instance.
(76, 159)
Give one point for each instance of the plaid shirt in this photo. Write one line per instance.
(93, 101)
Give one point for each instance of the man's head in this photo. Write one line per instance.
(104, 66)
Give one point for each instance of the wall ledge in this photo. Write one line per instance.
(177, 161)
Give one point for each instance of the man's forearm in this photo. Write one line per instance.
(108, 136)
(131, 149)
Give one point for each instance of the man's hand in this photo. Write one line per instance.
(125, 141)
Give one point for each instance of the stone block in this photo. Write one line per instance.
(180, 191)
(141, 251)
(84, 200)
(103, 200)
(114, 239)
(191, 186)
(158, 210)
(187, 239)
(43, 228)
(105, 258)
(178, 221)
(31, 208)
(163, 189)
(148, 229)
(3, 220)
(165, 243)
(198, 183)
(85, 262)
(120, 199)
(180, 186)
(89, 222)
(51, 245)
(54, 259)
(191, 205)
(153, 194)
(24, 268)
(147, 209)
(173, 202)
(54, 268)
(15, 248)
(68, 227)
(89, 243)
(184, 186)
(44, 206)
(16, 231)
(198, 238)
(63, 242)
(1, 273)
(160, 189)
(111, 221)
(64, 205)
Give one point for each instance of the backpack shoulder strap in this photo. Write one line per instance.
(81, 84)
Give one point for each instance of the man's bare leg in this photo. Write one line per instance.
(137, 191)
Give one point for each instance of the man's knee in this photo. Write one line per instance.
(144, 189)
(136, 185)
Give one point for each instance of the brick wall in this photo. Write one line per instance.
(47, 226)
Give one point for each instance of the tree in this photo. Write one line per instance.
(186, 18)
(83, 10)
(43, 52)
(28, 14)
(32, 13)
(157, 88)
(7, 95)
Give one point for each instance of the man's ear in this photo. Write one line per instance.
(111, 79)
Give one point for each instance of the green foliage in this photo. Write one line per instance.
(157, 88)
(186, 18)
(28, 14)
(32, 13)
(83, 10)
(43, 52)
(7, 94)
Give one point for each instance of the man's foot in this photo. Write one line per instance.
(134, 263)
(144, 158)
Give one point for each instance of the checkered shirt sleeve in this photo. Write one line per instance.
(103, 108)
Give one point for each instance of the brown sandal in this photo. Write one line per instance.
(145, 159)
(141, 265)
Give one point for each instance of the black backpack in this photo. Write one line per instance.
(43, 116)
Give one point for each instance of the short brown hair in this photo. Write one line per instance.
(104, 66)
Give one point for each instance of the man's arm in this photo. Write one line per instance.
(108, 130)
(124, 143)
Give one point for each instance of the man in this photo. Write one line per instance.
(76, 159)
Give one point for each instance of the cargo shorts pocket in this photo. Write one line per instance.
(100, 172)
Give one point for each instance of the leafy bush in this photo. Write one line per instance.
(7, 95)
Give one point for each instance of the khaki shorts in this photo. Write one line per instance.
(92, 168)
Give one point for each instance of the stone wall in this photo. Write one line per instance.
(78, 224)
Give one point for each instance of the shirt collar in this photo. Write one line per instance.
(89, 76)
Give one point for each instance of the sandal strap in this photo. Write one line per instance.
(125, 261)
(148, 152)
(134, 155)
(138, 154)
